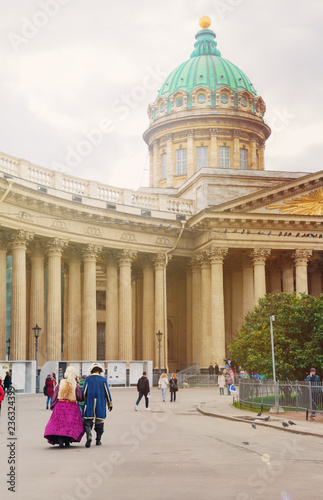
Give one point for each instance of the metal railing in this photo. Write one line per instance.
(296, 395)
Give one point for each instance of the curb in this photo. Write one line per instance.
(263, 424)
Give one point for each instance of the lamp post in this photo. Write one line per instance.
(8, 348)
(159, 335)
(36, 329)
(272, 318)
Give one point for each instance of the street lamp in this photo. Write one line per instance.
(8, 348)
(159, 335)
(272, 319)
(36, 329)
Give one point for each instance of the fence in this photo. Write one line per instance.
(296, 395)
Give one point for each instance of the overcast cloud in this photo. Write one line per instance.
(74, 69)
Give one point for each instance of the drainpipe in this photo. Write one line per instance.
(4, 196)
(165, 294)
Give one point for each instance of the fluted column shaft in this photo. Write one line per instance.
(189, 315)
(18, 344)
(214, 148)
(237, 297)
(288, 273)
(112, 310)
(217, 340)
(301, 259)
(190, 153)
(72, 339)
(148, 317)
(125, 305)
(37, 303)
(156, 167)
(89, 326)
(253, 147)
(259, 263)
(247, 285)
(236, 152)
(3, 295)
(196, 310)
(160, 269)
(54, 299)
(170, 160)
(275, 276)
(205, 338)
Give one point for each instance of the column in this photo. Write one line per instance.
(237, 296)
(3, 295)
(259, 262)
(125, 305)
(275, 275)
(217, 344)
(37, 302)
(189, 358)
(73, 334)
(134, 315)
(196, 310)
(301, 259)
(112, 309)
(89, 326)
(139, 319)
(262, 155)
(247, 284)
(170, 159)
(156, 165)
(205, 334)
(18, 344)
(214, 147)
(315, 269)
(54, 299)
(253, 151)
(288, 272)
(236, 153)
(148, 316)
(227, 282)
(191, 168)
(160, 270)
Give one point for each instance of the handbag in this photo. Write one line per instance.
(233, 388)
(45, 390)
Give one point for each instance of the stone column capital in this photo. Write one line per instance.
(147, 261)
(126, 257)
(214, 131)
(159, 261)
(260, 255)
(190, 133)
(91, 252)
(21, 238)
(217, 255)
(301, 257)
(155, 143)
(194, 263)
(169, 137)
(247, 259)
(56, 246)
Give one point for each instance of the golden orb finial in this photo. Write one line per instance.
(205, 22)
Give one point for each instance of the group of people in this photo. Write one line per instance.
(69, 422)
(173, 386)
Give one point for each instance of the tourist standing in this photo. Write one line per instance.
(65, 424)
(228, 381)
(173, 387)
(7, 383)
(163, 383)
(144, 390)
(1, 394)
(97, 396)
(315, 383)
(49, 384)
(221, 383)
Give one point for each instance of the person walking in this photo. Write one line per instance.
(221, 383)
(49, 384)
(65, 425)
(144, 390)
(1, 394)
(315, 384)
(216, 369)
(173, 387)
(7, 383)
(163, 383)
(80, 383)
(228, 381)
(96, 395)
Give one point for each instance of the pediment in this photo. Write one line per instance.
(303, 196)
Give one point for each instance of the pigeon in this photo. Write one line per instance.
(285, 424)
(254, 426)
(259, 414)
(267, 418)
(291, 422)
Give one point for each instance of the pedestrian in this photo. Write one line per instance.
(228, 381)
(7, 383)
(163, 383)
(221, 383)
(211, 371)
(216, 369)
(65, 425)
(144, 390)
(54, 379)
(80, 382)
(49, 384)
(96, 394)
(173, 387)
(1, 393)
(315, 384)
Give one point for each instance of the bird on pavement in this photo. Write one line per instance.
(285, 424)
(267, 418)
(254, 426)
(259, 414)
(291, 422)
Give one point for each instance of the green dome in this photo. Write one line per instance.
(206, 68)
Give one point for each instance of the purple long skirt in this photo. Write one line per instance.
(65, 421)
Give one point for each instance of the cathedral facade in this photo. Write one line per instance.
(101, 270)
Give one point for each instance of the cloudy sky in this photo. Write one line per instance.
(76, 77)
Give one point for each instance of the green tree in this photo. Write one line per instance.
(298, 336)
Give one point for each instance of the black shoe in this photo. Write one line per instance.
(98, 442)
(60, 442)
(46, 407)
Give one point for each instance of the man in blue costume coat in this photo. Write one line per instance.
(96, 395)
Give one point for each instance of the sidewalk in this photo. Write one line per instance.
(221, 407)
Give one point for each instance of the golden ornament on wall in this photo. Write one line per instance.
(308, 204)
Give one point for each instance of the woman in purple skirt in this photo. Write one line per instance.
(65, 425)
